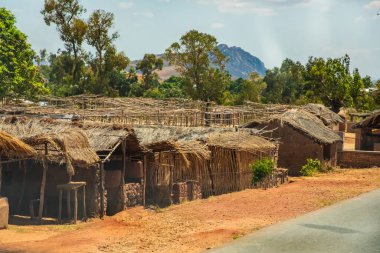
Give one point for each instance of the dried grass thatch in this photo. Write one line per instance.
(372, 121)
(240, 141)
(325, 114)
(308, 124)
(185, 149)
(11, 147)
(73, 145)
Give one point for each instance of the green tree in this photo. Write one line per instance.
(328, 81)
(201, 64)
(18, 75)
(148, 65)
(286, 84)
(357, 91)
(98, 35)
(251, 89)
(65, 14)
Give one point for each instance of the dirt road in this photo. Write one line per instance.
(194, 226)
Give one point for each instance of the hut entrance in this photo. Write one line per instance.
(327, 152)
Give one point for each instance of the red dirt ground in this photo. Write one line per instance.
(193, 226)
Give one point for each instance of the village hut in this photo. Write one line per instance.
(328, 117)
(232, 153)
(368, 133)
(12, 150)
(301, 136)
(175, 164)
(122, 164)
(100, 154)
(217, 159)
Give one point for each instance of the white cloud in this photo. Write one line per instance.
(239, 7)
(147, 14)
(126, 5)
(373, 5)
(217, 25)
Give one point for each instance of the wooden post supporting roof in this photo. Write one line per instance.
(122, 178)
(42, 190)
(101, 189)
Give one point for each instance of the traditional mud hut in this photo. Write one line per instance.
(301, 136)
(216, 159)
(231, 155)
(12, 150)
(100, 154)
(368, 133)
(172, 164)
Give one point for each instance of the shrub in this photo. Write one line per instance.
(261, 169)
(311, 167)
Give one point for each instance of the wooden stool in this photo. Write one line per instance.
(72, 186)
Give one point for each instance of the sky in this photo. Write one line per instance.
(269, 29)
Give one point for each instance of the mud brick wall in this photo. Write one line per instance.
(179, 193)
(193, 190)
(133, 194)
(359, 159)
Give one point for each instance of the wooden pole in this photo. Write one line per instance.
(68, 204)
(60, 207)
(42, 190)
(101, 190)
(75, 206)
(144, 176)
(122, 178)
(84, 204)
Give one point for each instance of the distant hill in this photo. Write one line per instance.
(240, 64)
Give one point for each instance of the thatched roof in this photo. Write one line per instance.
(152, 134)
(184, 148)
(13, 148)
(101, 136)
(308, 124)
(325, 114)
(372, 121)
(158, 138)
(242, 141)
(72, 145)
(75, 144)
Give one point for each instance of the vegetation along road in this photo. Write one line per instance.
(350, 226)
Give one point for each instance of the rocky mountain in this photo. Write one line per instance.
(240, 63)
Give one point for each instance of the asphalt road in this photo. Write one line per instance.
(347, 227)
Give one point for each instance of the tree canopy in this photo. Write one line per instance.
(19, 77)
(202, 65)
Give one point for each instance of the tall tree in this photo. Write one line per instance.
(148, 65)
(18, 75)
(285, 84)
(65, 14)
(329, 81)
(99, 36)
(201, 63)
(251, 89)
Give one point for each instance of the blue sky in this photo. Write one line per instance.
(269, 29)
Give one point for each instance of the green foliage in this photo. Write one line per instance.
(261, 169)
(311, 167)
(201, 64)
(65, 14)
(285, 85)
(251, 89)
(148, 65)
(18, 75)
